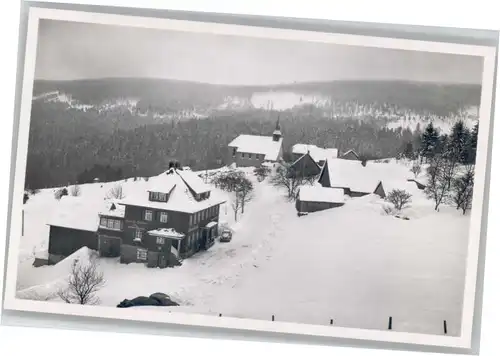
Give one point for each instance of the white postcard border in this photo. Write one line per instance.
(463, 341)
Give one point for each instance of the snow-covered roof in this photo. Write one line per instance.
(211, 224)
(112, 208)
(168, 233)
(194, 181)
(180, 199)
(350, 151)
(317, 193)
(76, 213)
(317, 153)
(352, 175)
(163, 186)
(258, 144)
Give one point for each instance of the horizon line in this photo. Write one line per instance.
(261, 85)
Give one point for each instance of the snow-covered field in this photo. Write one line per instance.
(352, 264)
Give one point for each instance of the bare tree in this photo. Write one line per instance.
(236, 205)
(416, 169)
(116, 192)
(399, 198)
(83, 283)
(438, 180)
(75, 191)
(244, 192)
(462, 188)
(285, 179)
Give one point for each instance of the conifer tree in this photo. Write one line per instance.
(429, 141)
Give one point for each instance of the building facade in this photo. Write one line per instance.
(175, 218)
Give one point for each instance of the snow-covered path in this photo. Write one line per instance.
(350, 264)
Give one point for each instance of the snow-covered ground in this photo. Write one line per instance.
(352, 264)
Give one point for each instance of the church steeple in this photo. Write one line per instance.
(277, 131)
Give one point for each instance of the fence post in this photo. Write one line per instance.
(445, 327)
(390, 323)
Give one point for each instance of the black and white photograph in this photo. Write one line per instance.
(334, 183)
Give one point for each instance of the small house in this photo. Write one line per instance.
(355, 179)
(317, 198)
(305, 167)
(350, 155)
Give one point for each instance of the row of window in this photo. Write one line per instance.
(157, 196)
(149, 216)
(251, 155)
(203, 215)
(111, 224)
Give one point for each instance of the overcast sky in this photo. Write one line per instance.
(80, 51)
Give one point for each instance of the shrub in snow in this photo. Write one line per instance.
(26, 197)
(116, 192)
(416, 169)
(60, 193)
(146, 179)
(388, 210)
(262, 173)
(32, 191)
(399, 198)
(83, 283)
(75, 191)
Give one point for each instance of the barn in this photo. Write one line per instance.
(317, 198)
(72, 226)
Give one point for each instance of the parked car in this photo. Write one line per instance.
(226, 236)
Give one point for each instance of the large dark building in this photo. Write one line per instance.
(173, 218)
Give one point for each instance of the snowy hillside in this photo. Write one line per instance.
(352, 264)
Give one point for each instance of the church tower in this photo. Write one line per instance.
(277, 131)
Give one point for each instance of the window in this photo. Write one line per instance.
(234, 151)
(155, 196)
(117, 225)
(138, 234)
(191, 220)
(148, 215)
(160, 240)
(249, 155)
(163, 217)
(162, 197)
(142, 254)
(111, 224)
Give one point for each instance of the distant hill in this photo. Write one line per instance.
(163, 96)
(138, 125)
